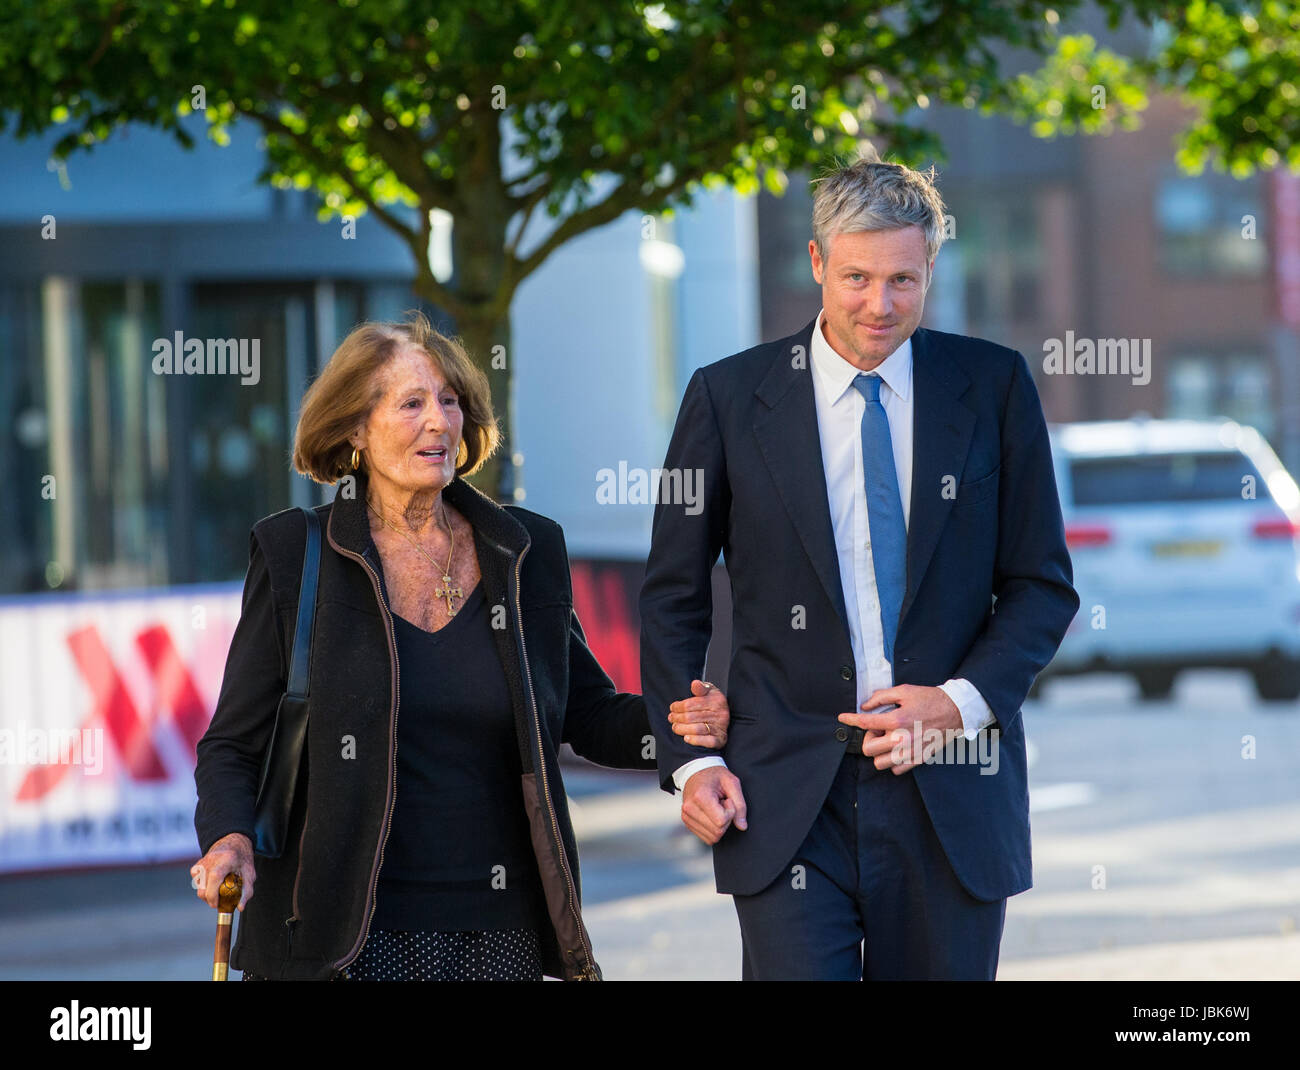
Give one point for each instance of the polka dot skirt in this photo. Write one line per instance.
(396, 955)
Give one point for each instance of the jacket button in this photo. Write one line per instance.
(842, 734)
(846, 673)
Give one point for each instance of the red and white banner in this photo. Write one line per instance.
(102, 699)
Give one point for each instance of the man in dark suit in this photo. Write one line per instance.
(885, 501)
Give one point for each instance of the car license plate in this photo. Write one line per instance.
(1188, 548)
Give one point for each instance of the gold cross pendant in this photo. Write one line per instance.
(447, 591)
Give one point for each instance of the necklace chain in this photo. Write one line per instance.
(446, 591)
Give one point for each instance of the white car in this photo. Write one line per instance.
(1185, 540)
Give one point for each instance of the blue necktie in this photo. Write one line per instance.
(884, 509)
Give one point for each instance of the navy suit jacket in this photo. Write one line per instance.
(748, 424)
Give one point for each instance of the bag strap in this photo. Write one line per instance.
(300, 662)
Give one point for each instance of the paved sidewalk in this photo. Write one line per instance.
(1256, 958)
(688, 931)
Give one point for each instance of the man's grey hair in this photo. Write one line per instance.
(869, 194)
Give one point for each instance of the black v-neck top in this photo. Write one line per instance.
(458, 855)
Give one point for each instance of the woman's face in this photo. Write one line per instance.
(413, 434)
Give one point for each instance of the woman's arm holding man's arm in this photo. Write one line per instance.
(610, 727)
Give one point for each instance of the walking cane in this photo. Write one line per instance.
(227, 900)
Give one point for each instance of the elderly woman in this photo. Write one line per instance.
(447, 662)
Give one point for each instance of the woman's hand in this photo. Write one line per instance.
(230, 854)
(702, 719)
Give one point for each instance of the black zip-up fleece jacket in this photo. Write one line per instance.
(311, 908)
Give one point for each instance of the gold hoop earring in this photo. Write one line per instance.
(356, 459)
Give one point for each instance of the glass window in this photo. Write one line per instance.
(1238, 386)
(1199, 219)
(26, 523)
(348, 303)
(94, 429)
(125, 413)
(126, 477)
(1246, 393)
(240, 436)
(1170, 477)
(1191, 389)
(1001, 257)
(391, 301)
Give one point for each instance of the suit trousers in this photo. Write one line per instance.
(869, 895)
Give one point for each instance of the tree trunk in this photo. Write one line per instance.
(487, 339)
(478, 243)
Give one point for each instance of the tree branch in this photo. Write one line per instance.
(405, 155)
(417, 242)
(527, 205)
(627, 196)
(106, 39)
(442, 295)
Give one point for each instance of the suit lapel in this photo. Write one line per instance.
(941, 432)
(786, 430)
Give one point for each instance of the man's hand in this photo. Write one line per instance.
(921, 724)
(711, 801)
(703, 719)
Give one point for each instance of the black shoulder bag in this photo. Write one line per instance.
(283, 758)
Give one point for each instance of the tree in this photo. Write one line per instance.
(533, 121)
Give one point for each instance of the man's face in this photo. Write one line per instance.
(869, 279)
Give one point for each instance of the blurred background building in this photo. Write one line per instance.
(159, 478)
(1099, 235)
(151, 239)
(130, 498)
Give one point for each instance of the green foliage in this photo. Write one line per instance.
(1235, 65)
(377, 102)
(610, 106)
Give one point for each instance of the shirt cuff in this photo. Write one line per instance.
(685, 772)
(975, 712)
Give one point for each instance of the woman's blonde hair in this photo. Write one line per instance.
(350, 386)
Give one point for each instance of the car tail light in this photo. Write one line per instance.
(1077, 535)
(1276, 527)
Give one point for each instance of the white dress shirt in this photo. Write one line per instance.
(839, 424)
